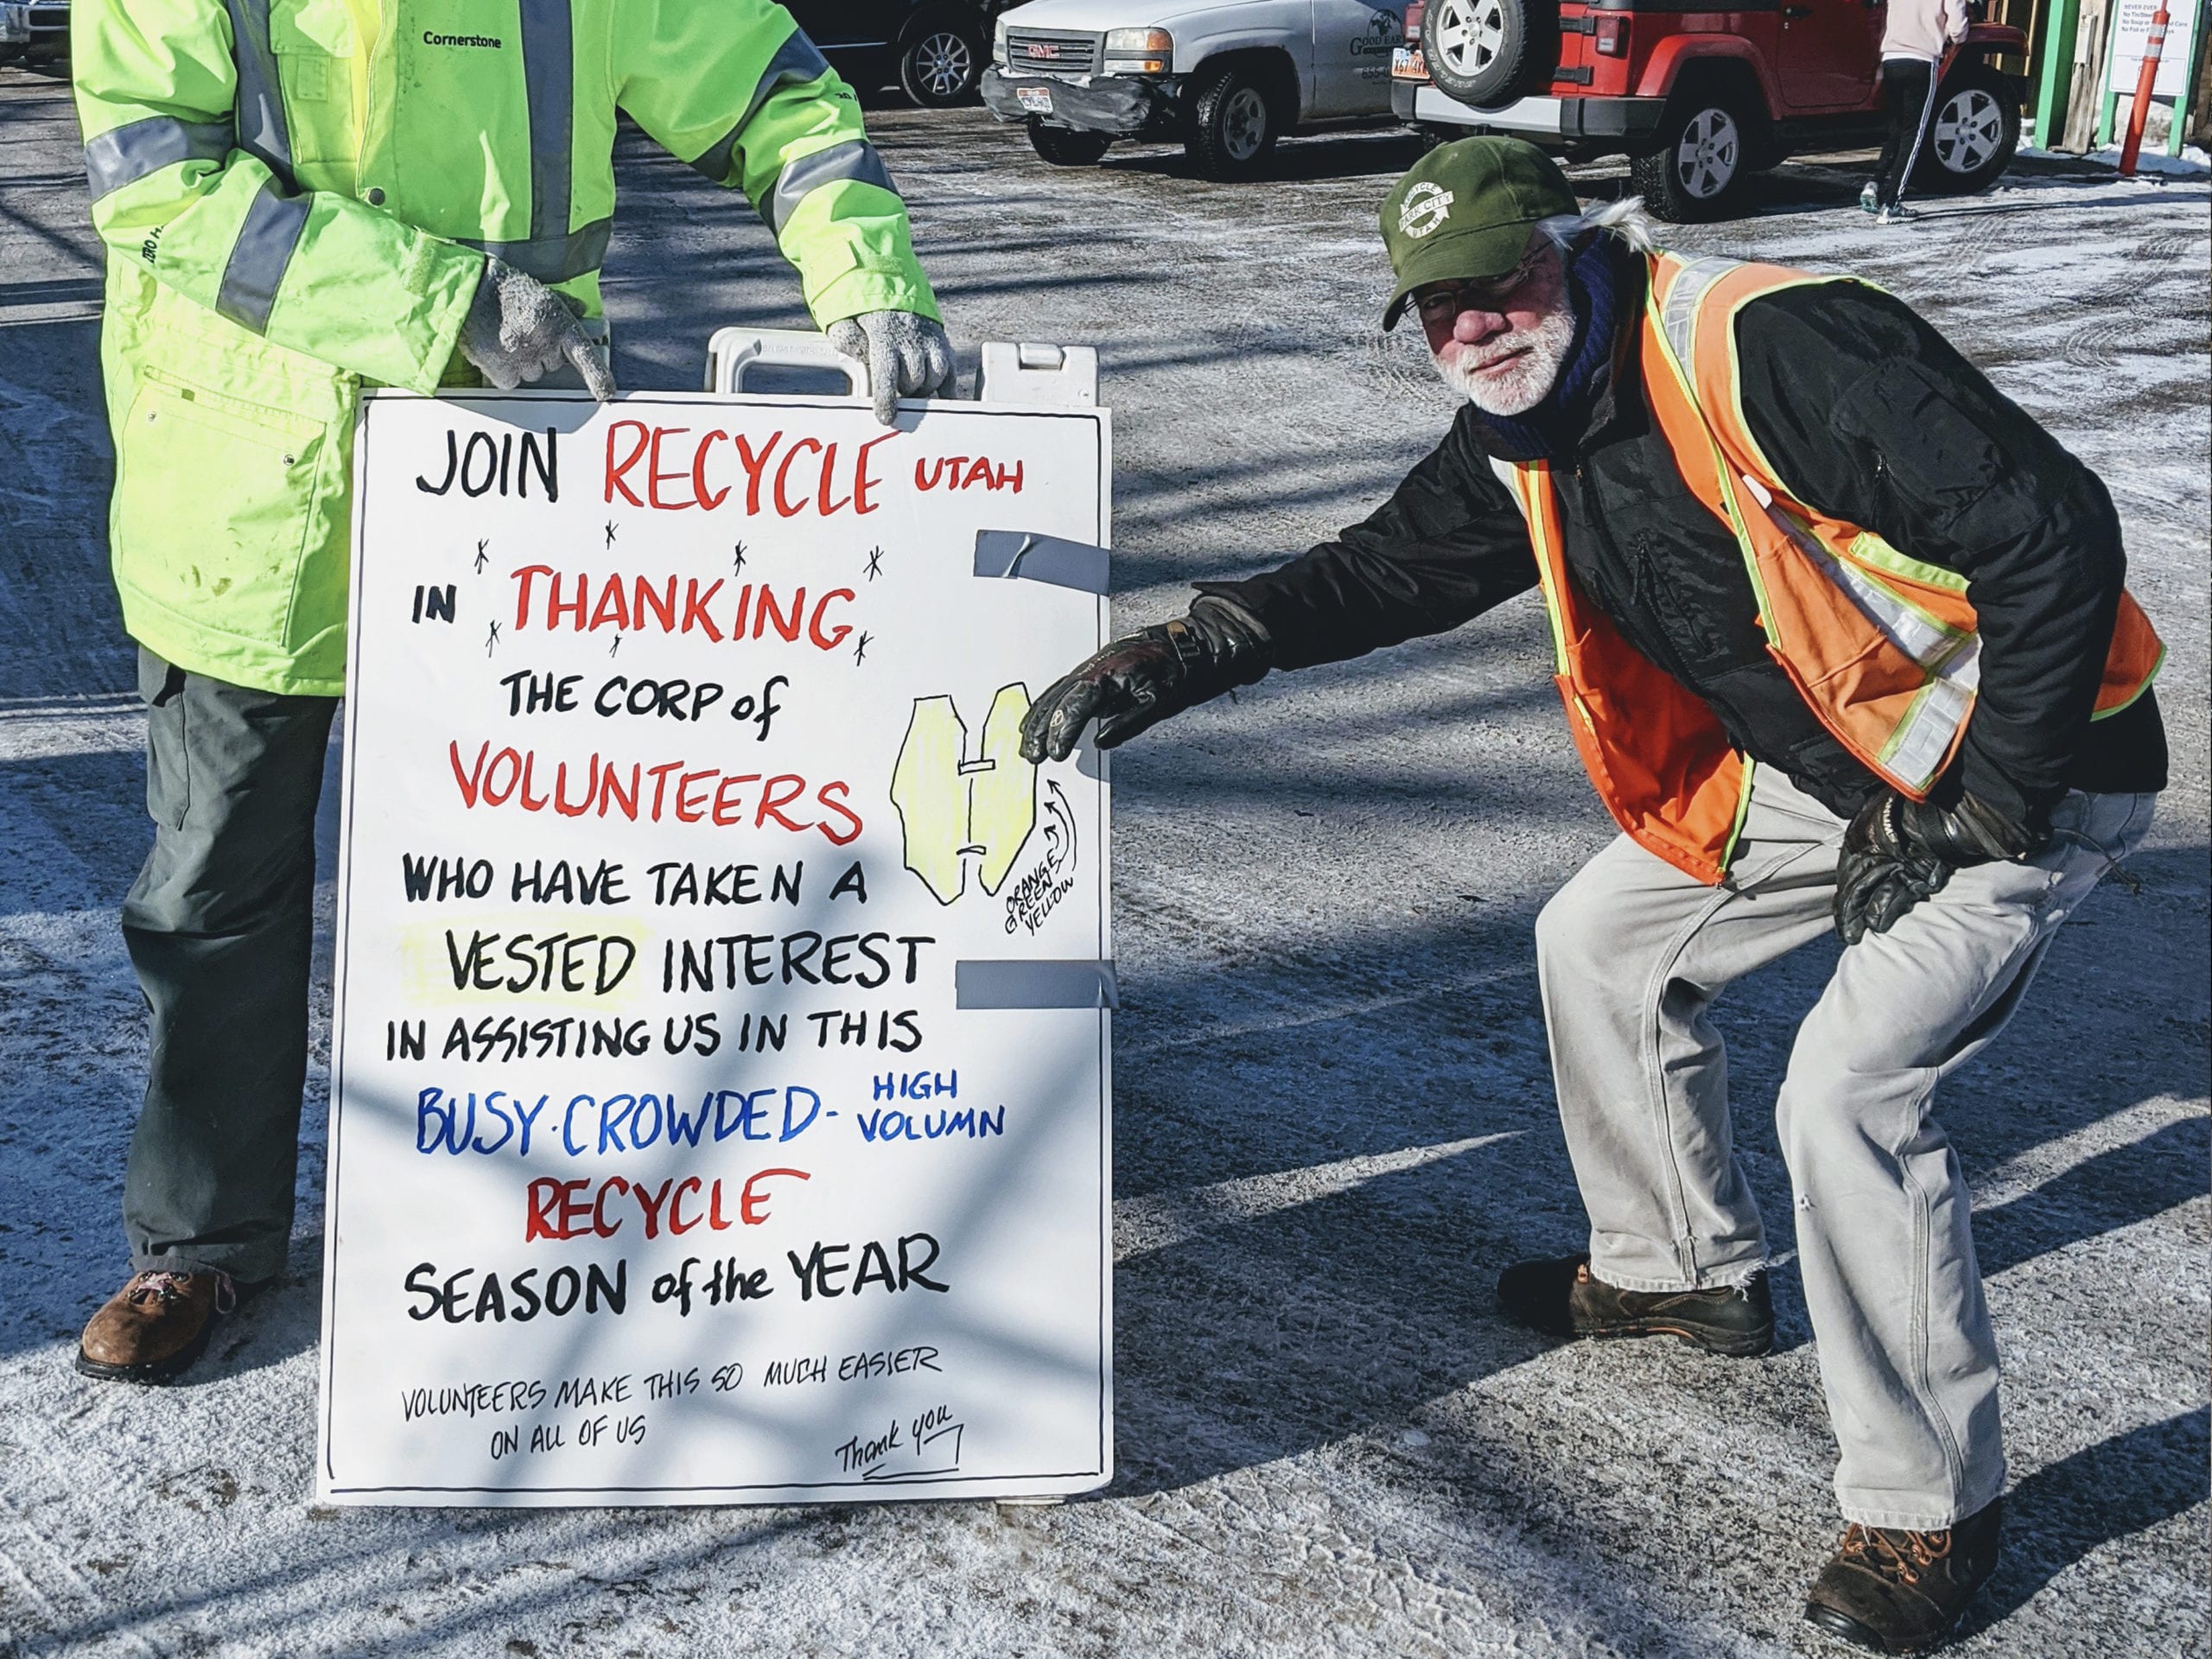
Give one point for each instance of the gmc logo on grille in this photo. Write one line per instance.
(1042, 49)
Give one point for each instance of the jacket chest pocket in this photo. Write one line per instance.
(472, 60)
(214, 501)
(315, 45)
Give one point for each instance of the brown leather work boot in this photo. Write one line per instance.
(155, 1326)
(1560, 1298)
(1901, 1592)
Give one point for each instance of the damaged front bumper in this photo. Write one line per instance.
(1128, 107)
(1598, 124)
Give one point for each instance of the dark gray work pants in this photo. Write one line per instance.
(220, 924)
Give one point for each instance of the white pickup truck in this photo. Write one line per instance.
(1226, 78)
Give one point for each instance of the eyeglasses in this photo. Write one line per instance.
(1442, 301)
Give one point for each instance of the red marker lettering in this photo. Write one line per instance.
(784, 507)
(614, 473)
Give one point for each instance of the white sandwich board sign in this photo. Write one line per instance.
(721, 1076)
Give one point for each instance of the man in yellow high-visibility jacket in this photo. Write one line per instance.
(299, 198)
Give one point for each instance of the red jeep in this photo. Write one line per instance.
(1695, 99)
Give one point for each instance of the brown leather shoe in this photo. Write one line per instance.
(1561, 1298)
(1902, 1591)
(155, 1326)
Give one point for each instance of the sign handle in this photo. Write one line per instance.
(731, 353)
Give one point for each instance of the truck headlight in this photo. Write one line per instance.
(1138, 52)
(998, 44)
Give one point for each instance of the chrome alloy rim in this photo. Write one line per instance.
(1244, 123)
(1470, 34)
(943, 64)
(1711, 150)
(1970, 128)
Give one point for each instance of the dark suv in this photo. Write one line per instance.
(935, 49)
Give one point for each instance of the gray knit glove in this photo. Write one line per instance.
(907, 355)
(519, 330)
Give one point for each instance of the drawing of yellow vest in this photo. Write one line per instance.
(953, 808)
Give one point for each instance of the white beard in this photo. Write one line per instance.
(1517, 389)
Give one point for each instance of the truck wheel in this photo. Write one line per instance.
(1489, 53)
(1064, 147)
(1701, 160)
(940, 64)
(1232, 127)
(1972, 134)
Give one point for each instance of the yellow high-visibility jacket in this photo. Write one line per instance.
(297, 197)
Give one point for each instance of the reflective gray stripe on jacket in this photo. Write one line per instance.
(796, 62)
(259, 257)
(857, 160)
(143, 148)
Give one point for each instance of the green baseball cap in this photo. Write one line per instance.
(1463, 213)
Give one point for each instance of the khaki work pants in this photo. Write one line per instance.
(1631, 954)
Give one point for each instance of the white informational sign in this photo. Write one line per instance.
(721, 1076)
(2131, 27)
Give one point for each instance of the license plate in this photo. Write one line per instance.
(1038, 100)
(1407, 63)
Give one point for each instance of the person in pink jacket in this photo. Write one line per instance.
(1914, 40)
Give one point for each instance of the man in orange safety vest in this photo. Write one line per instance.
(1842, 640)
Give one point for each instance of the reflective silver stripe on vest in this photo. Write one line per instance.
(549, 75)
(262, 131)
(856, 160)
(796, 60)
(144, 148)
(1922, 742)
(554, 258)
(1678, 316)
(259, 257)
(1919, 636)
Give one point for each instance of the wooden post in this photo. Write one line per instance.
(2086, 101)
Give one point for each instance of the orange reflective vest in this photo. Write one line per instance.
(1882, 646)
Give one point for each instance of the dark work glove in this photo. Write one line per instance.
(1141, 679)
(1899, 851)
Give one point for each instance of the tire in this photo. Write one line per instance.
(940, 64)
(1065, 147)
(1233, 124)
(1488, 52)
(1697, 170)
(1971, 135)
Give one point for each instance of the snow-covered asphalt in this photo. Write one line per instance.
(1334, 1120)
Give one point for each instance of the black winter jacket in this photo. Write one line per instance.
(1869, 416)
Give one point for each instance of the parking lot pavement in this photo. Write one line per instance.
(1333, 1117)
